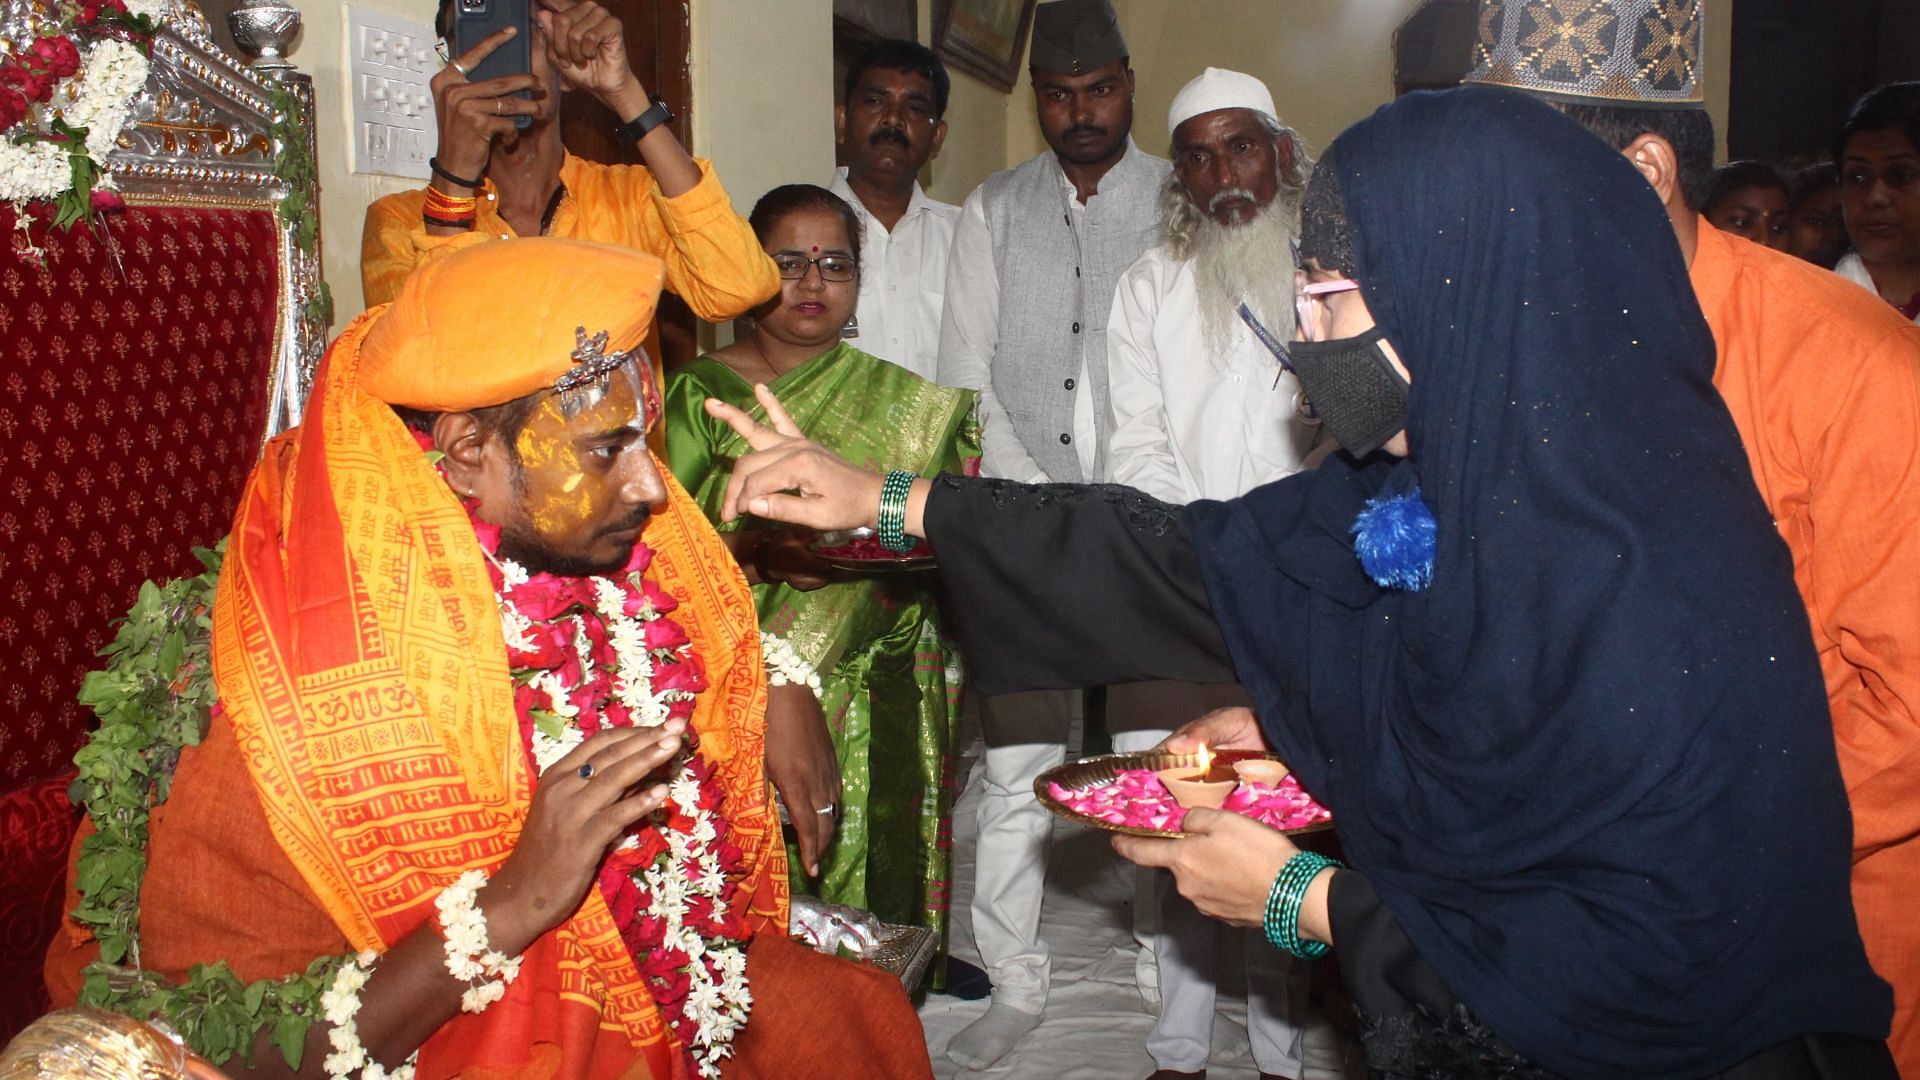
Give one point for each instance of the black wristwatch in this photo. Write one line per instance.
(636, 129)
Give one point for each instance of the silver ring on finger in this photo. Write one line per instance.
(455, 65)
(498, 106)
(826, 810)
(585, 771)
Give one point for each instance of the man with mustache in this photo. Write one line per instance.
(888, 127)
(1036, 253)
(1204, 409)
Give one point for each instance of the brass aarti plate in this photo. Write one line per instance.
(1104, 769)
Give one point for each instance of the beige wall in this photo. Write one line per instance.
(321, 52)
(976, 145)
(762, 74)
(763, 92)
(1329, 63)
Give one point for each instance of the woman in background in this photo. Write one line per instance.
(1532, 637)
(1879, 159)
(885, 684)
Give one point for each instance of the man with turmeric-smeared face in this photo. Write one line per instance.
(549, 850)
(573, 488)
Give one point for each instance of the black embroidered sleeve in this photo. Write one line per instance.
(1053, 586)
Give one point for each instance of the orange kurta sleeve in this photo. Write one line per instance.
(714, 262)
(1823, 381)
(1863, 591)
(394, 240)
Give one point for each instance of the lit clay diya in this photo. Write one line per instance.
(1204, 785)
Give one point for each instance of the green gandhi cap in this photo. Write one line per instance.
(1072, 36)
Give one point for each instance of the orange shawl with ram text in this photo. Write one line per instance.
(357, 652)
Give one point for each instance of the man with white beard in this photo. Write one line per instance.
(1202, 409)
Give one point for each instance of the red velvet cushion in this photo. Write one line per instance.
(36, 827)
(133, 401)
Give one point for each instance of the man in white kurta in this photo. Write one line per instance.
(1203, 409)
(888, 127)
(1190, 422)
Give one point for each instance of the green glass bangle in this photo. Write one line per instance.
(1282, 923)
(892, 518)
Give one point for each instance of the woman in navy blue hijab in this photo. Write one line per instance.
(1542, 656)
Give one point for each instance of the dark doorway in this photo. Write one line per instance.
(1798, 65)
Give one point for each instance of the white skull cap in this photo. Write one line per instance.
(1215, 89)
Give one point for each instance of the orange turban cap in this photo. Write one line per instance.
(495, 322)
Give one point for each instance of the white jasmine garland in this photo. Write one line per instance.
(718, 999)
(785, 666)
(114, 72)
(340, 1004)
(471, 958)
(33, 171)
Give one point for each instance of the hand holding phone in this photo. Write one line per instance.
(477, 21)
(473, 111)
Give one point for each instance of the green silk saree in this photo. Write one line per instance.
(890, 686)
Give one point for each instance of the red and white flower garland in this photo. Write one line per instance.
(590, 653)
(66, 94)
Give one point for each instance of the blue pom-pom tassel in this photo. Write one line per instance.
(1395, 537)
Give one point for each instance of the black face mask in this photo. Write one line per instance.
(1354, 389)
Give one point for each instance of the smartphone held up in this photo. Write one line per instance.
(475, 20)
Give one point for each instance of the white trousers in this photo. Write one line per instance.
(1025, 735)
(1189, 949)
(1181, 948)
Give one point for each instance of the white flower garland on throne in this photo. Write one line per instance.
(98, 98)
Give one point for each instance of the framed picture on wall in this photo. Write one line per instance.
(984, 38)
(868, 21)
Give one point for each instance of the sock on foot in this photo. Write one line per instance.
(988, 1039)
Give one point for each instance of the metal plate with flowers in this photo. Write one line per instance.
(1106, 768)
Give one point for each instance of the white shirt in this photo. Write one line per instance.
(903, 279)
(1187, 425)
(1854, 269)
(970, 334)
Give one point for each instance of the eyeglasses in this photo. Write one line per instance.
(832, 267)
(1311, 314)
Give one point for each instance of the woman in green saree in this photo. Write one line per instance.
(889, 687)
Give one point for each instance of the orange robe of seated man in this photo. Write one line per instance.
(368, 752)
(1823, 381)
